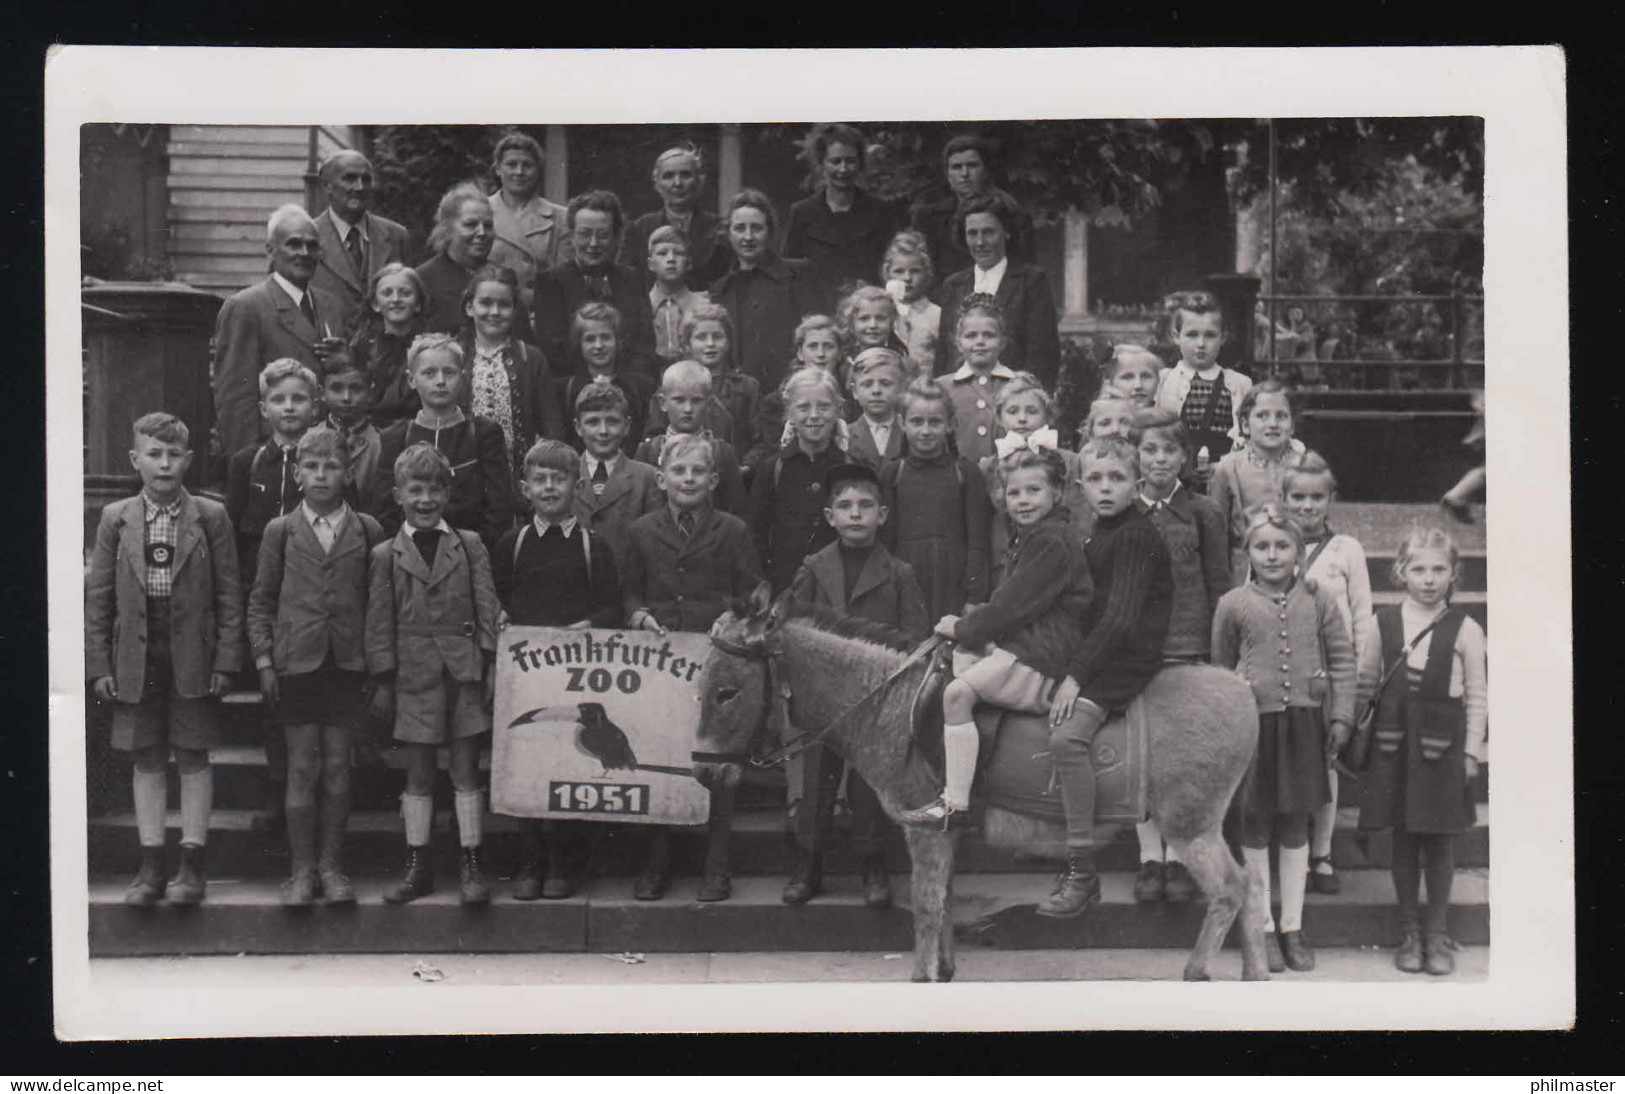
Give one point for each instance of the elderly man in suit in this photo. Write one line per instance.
(283, 316)
(356, 242)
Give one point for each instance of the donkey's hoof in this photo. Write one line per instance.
(1196, 975)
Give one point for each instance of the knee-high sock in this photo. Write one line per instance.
(470, 805)
(1294, 879)
(959, 745)
(197, 799)
(1258, 858)
(1324, 821)
(1407, 871)
(1441, 871)
(148, 787)
(1150, 841)
(417, 811)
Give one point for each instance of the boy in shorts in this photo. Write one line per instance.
(305, 620)
(163, 633)
(431, 643)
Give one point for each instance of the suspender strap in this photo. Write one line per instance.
(586, 545)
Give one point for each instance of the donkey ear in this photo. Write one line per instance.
(779, 611)
(760, 600)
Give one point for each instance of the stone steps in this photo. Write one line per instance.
(992, 910)
(760, 846)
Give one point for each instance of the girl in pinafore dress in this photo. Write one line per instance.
(1429, 742)
(1287, 638)
(941, 516)
(1337, 564)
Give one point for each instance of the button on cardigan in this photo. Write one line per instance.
(1290, 647)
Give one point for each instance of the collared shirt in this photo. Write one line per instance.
(290, 288)
(593, 463)
(669, 311)
(428, 546)
(566, 527)
(342, 226)
(989, 280)
(326, 526)
(881, 432)
(1158, 503)
(162, 524)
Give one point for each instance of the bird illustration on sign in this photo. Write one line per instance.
(600, 739)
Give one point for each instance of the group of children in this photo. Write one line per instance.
(1189, 525)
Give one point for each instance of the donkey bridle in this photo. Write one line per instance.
(802, 741)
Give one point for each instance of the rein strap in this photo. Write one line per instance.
(803, 741)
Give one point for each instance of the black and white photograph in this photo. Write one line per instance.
(768, 556)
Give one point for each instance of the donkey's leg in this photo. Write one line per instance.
(720, 836)
(931, 855)
(1223, 883)
(1254, 907)
(945, 937)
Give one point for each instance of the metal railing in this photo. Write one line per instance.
(1455, 369)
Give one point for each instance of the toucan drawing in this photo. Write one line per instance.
(601, 739)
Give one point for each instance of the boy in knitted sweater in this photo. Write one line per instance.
(1124, 627)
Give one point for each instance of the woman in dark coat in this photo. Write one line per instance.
(463, 233)
(766, 295)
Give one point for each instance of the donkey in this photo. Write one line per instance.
(856, 680)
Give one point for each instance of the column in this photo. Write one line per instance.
(1076, 263)
(731, 166)
(556, 174)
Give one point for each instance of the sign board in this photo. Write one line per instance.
(598, 725)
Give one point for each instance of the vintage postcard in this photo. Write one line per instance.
(699, 541)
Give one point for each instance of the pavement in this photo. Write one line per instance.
(314, 971)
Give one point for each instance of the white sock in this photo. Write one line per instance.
(1324, 821)
(959, 745)
(148, 787)
(1169, 855)
(1150, 841)
(197, 799)
(1294, 879)
(470, 806)
(417, 810)
(1258, 858)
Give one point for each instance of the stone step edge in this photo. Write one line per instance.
(971, 891)
(748, 820)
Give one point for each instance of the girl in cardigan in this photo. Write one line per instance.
(1430, 741)
(940, 513)
(508, 381)
(1287, 638)
(1251, 474)
(1025, 411)
(1336, 564)
(975, 385)
(1013, 649)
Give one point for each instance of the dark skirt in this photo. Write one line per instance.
(1288, 774)
(328, 696)
(1406, 789)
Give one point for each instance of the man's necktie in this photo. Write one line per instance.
(685, 524)
(308, 310)
(352, 243)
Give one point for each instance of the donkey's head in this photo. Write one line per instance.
(733, 703)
